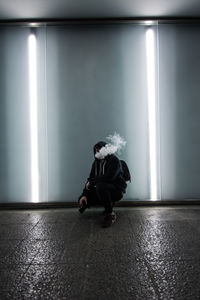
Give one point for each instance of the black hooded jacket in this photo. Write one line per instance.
(107, 170)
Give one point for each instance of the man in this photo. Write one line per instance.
(105, 184)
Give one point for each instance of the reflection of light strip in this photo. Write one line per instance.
(151, 81)
(33, 117)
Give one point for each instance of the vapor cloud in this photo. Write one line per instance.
(116, 143)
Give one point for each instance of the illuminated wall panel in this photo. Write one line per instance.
(97, 84)
(179, 110)
(68, 86)
(15, 184)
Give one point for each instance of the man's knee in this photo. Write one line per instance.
(101, 186)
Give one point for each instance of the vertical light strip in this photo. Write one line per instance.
(152, 96)
(32, 47)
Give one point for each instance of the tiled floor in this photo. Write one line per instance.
(149, 253)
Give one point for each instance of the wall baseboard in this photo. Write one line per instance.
(124, 203)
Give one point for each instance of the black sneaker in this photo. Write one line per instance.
(109, 219)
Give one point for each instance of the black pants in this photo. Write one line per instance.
(105, 194)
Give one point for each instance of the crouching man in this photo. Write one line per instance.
(105, 184)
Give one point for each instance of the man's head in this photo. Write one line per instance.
(98, 146)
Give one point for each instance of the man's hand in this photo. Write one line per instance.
(87, 185)
(82, 200)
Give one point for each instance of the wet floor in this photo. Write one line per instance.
(149, 253)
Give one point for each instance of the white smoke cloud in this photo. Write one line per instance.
(116, 144)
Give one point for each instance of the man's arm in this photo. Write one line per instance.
(92, 172)
(86, 187)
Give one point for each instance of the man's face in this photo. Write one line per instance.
(97, 149)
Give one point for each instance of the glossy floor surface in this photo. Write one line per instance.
(149, 253)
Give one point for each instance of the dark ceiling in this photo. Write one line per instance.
(70, 9)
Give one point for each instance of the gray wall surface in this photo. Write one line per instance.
(96, 83)
(14, 116)
(180, 110)
(92, 83)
